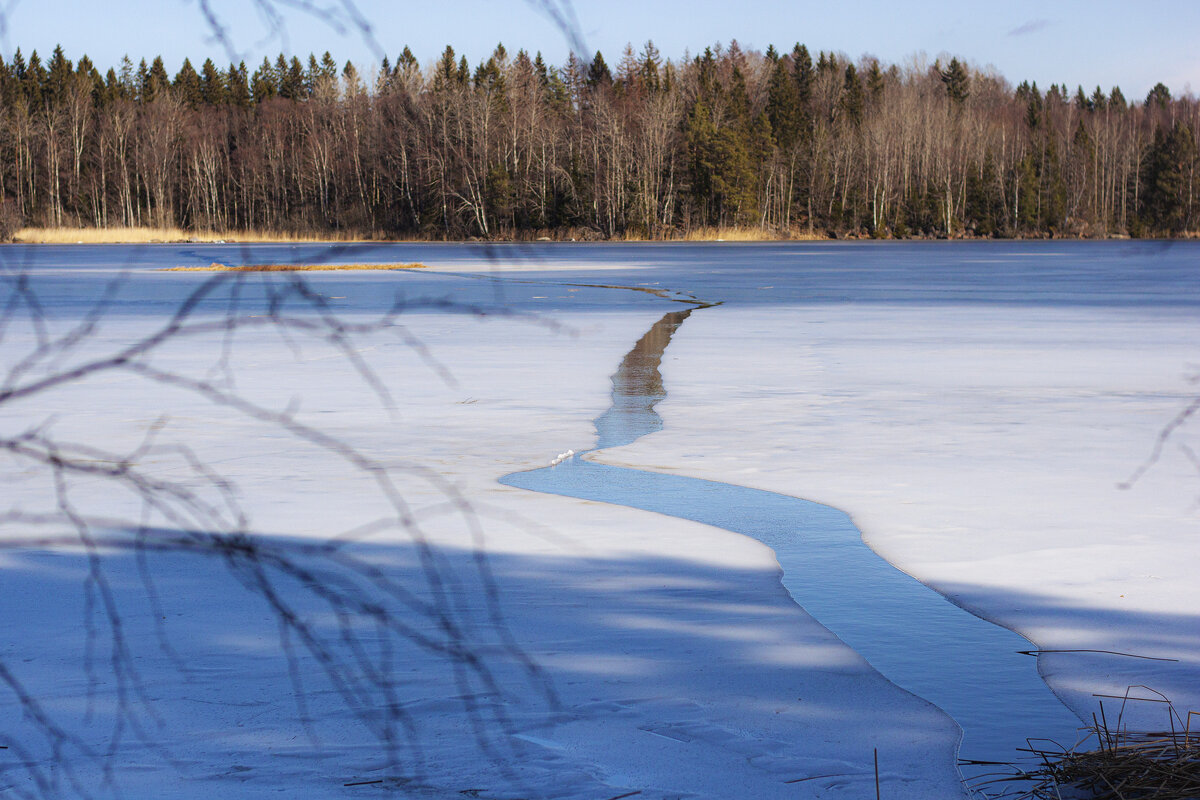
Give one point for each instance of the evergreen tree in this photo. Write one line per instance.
(157, 81)
(1116, 100)
(58, 76)
(802, 72)
(1158, 97)
(262, 83)
(9, 86)
(783, 105)
(142, 81)
(239, 85)
(1081, 100)
(291, 80)
(957, 80)
(1167, 174)
(598, 76)
(406, 61)
(649, 67)
(852, 101)
(112, 88)
(443, 73)
(875, 83)
(213, 90)
(127, 79)
(328, 67)
(187, 85)
(35, 80)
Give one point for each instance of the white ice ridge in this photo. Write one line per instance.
(561, 457)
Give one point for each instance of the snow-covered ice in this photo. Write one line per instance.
(979, 446)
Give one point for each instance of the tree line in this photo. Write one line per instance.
(514, 147)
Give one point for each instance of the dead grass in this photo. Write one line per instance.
(215, 267)
(741, 234)
(160, 235)
(1122, 764)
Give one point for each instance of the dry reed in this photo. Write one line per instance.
(749, 234)
(151, 235)
(1122, 765)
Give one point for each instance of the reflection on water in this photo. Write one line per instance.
(637, 387)
(966, 666)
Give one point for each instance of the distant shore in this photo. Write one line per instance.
(153, 235)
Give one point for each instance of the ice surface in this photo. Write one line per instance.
(974, 419)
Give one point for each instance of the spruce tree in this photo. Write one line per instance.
(783, 105)
(598, 76)
(239, 85)
(187, 85)
(649, 67)
(852, 101)
(1117, 100)
(957, 80)
(213, 89)
(158, 81)
(58, 75)
(1158, 97)
(35, 80)
(262, 82)
(127, 79)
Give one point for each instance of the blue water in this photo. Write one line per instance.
(966, 666)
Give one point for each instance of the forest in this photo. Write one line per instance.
(778, 144)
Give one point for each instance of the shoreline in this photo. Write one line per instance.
(149, 235)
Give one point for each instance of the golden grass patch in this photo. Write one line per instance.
(749, 234)
(150, 235)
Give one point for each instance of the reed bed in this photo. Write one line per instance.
(156, 235)
(1121, 764)
(216, 267)
(749, 234)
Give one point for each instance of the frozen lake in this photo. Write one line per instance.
(973, 407)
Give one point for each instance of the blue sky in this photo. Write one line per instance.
(1105, 42)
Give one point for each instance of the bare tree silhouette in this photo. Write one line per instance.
(181, 506)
